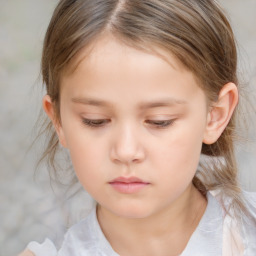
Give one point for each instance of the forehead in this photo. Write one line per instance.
(107, 44)
(110, 67)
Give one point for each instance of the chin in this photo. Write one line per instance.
(132, 211)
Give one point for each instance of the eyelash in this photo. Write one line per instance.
(161, 124)
(97, 123)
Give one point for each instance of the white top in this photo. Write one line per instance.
(216, 235)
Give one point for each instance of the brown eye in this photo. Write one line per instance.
(95, 122)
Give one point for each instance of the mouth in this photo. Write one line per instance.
(128, 185)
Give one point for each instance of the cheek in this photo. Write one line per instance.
(180, 155)
(87, 154)
(88, 163)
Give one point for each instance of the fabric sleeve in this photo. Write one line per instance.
(46, 248)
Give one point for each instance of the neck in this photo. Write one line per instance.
(166, 231)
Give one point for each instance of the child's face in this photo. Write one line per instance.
(141, 92)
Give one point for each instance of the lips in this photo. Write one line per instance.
(128, 180)
(128, 185)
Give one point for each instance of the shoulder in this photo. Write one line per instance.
(85, 236)
(250, 203)
(249, 222)
(250, 196)
(239, 227)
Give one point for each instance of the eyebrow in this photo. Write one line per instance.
(164, 102)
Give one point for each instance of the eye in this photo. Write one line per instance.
(95, 122)
(161, 123)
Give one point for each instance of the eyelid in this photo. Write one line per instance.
(160, 124)
(98, 123)
(95, 123)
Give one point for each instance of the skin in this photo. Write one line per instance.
(165, 213)
(26, 253)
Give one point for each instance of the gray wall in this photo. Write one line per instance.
(29, 209)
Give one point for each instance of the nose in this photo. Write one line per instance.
(127, 147)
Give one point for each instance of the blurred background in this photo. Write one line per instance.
(32, 208)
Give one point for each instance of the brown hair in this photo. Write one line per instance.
(195, 31)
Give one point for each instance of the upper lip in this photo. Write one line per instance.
(128, 180)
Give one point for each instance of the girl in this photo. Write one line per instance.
(137, 91)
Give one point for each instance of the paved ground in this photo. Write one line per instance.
(28, 207)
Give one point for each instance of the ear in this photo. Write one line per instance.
(220, 113)
(50, 111)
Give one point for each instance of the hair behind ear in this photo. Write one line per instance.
(220, 171)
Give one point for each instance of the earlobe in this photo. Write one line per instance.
(220, 113)
(50, 111)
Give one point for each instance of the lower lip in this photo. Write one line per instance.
(128, 188)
